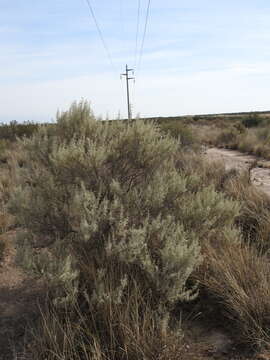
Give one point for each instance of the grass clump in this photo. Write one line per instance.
(254, 215)
(237, 279)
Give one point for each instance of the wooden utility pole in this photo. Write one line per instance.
(126, 74)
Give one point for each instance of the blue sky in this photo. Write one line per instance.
(200, 56)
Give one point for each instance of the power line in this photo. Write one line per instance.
(100, 33)
(137, 32)
(144, 33)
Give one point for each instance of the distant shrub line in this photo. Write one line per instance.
(15, 130)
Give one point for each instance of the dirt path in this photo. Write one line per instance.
(19, 296)
(260, 174)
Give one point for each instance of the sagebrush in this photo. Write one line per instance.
(116, 213)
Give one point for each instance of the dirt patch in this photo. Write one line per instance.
(260, 174)
(204, 341)
(19, 298)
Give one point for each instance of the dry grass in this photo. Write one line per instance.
(254, 218)
(238, 279)
(111, 331)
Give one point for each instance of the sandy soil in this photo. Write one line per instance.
(260, 174)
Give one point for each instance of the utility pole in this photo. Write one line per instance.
(126, 74)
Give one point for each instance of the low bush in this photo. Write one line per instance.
(228, 138)
(121, 219)
(252, 120)
(240, 128)
(107, 198)
(181, 131)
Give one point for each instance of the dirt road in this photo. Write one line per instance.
(260, 174)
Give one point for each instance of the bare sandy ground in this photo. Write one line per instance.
(260, 174)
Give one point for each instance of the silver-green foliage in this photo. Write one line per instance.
(112, 193)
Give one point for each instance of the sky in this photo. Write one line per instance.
(199, 57)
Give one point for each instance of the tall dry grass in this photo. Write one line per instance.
(254, 217)
(113, 331)
(237, 279)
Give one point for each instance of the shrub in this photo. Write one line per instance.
(91, 187)
(252, 120)
(120, 218)
(263, 134)
(180, 131)
(228, 138)
(241, 129)
(106, 197)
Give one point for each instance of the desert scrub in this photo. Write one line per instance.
(14, 130)
(183, 132)
(122, 220)
(253, 139)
